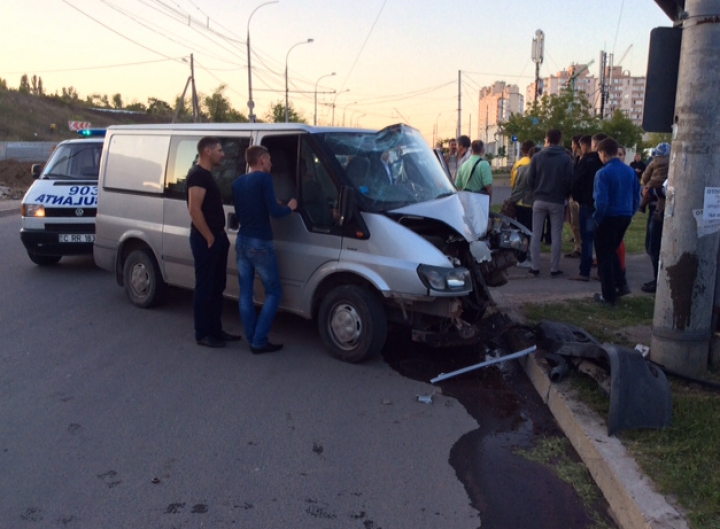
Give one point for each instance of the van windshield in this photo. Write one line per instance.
(74, 161)
(390, 169)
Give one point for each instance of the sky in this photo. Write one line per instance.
(394, 60)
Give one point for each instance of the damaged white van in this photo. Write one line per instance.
(380, 233)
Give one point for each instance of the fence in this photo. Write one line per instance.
(26, 151)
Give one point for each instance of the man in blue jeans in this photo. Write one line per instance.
(209, 245)
(255, 201)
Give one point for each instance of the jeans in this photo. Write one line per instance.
(654, 240)
(257, 255)
(587, 236)
(210, 278)
(556, 212)
(608, 236)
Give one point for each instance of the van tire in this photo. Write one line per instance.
(141, 276)
(44, 260)
(352, 323)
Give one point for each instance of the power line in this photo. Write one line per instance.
(363, 45)
(95, 67)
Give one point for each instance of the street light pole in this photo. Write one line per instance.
(287, 89)
(251, 103)
(333, 105)
(344, 109)
(316, 85)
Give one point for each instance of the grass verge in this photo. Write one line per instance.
(683, 459)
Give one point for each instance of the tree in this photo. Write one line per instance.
(158, 107)
(24, 87)
(117, 101)
(569, 112)
(219, 109)
(69, 94)
(136, 106)
(3, 84)
(622, 129)
(40, 88)
(276, 114)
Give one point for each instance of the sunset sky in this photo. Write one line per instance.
(398, 58)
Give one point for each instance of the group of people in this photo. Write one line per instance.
(255, 202)
(469, 169)
(598, 194)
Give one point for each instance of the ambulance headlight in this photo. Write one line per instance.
(32, 210)
(445, 279)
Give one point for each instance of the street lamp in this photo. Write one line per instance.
(357, 119)
(251, 103)
(316, 85)
(344, 109)
(287, 90)
(333, 105)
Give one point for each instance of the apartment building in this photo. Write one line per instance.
(496, 104)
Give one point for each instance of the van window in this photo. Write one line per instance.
(136, 163)
(184, 155)
(283, 151)
(79, 161)
(318, 192)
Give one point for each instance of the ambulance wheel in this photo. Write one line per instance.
(44, 260)
(352, 323)
(142, 279)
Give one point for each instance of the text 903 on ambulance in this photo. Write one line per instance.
(58, 211)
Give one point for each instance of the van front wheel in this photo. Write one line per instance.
(352, 323)
(142, 279)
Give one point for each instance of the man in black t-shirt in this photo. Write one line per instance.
(209, 245)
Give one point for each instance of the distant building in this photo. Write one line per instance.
(496, 104)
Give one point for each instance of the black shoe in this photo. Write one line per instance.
(598, 298)
(227, 337)
(574, 255)
(534, 272)
(268, 348)
(556, 273)
(650, 287)
(209, 341)
(623, 291)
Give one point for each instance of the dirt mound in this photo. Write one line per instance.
(16, 176)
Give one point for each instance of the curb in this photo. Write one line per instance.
(8, 208)
(630, 494)
(9, 212)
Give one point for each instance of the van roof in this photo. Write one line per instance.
(223, 127)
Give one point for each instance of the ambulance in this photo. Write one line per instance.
(58, 211)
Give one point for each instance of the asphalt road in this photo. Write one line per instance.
(111, 416)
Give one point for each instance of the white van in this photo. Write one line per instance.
(365, 246)
(58, 211)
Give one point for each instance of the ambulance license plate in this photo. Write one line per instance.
(76, 237)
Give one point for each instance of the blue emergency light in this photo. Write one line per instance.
(92, 133)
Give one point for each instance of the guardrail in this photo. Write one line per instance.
(26, 151)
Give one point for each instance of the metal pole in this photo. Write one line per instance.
(251, 103)
(345, 109)
(519, 354)
(316, 86)
(459, 125)
(196, 107)
(688, 257)
(287, 90)
(333, 104)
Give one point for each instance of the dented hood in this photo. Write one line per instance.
(467, 213)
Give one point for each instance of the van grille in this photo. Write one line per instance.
(70, 212)
(70, 228)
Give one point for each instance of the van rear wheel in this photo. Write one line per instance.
(352, 323)
(142, 279)
(44, 260)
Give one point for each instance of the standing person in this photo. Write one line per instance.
(521, 192)
(582, 191)
(463, 146)
(209, 245)
(573, 208)
(617, 198)
(451, 157)
(475, 175)
(638, 165)
(653, 192)
(255, 202)
(550, 177)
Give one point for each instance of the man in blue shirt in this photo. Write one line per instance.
(617, 199)
(255, 201)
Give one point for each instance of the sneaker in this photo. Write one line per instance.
(209, 341)
(650, 287)
(579, 277)
(574, 255)
(267, 348)
(556, 273)
(598, 298)
(534, 272)
(525, 264)
(623, 291)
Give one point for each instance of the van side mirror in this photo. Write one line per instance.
(347, 204)
(35, 170)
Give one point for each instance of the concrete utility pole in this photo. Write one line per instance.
(459, 127)
(682, 327)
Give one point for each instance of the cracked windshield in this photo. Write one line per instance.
(391, 168)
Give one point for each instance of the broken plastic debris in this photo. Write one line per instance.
(425, 399)
(156, 480)
(644, 349)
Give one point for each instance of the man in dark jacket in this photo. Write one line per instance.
(550, 177)
(653, 194)
(617, 198)
(582, 193)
